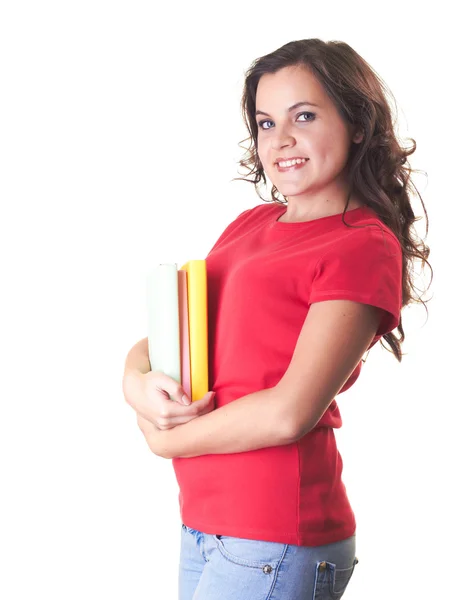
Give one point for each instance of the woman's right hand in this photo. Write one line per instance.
(149, 394)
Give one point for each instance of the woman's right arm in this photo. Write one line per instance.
(138, 358)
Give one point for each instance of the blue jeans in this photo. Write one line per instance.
(218, 567)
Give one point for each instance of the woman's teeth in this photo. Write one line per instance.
(291, 163)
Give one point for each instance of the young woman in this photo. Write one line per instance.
(298, 291)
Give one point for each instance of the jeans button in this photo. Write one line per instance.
(267, 569)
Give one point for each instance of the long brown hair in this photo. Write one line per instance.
(378, 168)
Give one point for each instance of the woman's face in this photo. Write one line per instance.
(313, 131)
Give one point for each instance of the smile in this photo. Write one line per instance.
(292, 167)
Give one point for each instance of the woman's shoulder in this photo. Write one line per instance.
(246, 219)
(253, 214)
(369, 229)
(263, 208)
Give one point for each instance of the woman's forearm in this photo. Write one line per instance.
(138, 358)
(249, 423)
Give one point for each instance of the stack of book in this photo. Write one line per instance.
(177, 324)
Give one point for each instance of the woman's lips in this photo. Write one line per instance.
(293, 168)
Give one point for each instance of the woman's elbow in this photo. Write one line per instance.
(295, 419)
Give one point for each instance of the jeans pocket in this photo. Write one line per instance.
(251, 553)
(331, 582)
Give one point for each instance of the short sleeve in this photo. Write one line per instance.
(364, 266)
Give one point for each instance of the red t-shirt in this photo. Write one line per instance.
(262, 276)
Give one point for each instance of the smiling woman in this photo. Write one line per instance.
(322, 138)
(298, 290)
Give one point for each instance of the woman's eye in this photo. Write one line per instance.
(311, 115)
(306, 113)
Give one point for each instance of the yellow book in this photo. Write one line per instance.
(198, 331)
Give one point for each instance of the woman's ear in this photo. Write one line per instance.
(358, 136)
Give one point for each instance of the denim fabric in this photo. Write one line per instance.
(218, 567)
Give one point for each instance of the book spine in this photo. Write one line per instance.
(197, 314)
(185, 356)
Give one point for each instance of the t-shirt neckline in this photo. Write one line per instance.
(319, 222)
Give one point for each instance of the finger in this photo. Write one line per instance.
(173, 414)
(170, 408)
(169, 412)
(181, 397)
(207, 409)
(196, 408)
(203, 409)
(168, 421)
(171, 388)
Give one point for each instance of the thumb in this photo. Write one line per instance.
(177, 393)
(206, 398)
(182, 397)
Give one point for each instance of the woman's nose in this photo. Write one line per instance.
(282, 138)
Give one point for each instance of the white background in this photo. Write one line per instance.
(120, 124)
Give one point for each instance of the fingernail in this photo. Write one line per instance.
(186, 400)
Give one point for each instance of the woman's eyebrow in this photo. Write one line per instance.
(261, 112)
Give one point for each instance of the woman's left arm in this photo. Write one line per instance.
(334, 337)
